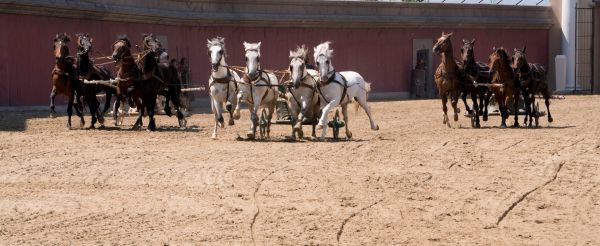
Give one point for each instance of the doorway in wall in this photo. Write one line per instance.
(422, 85)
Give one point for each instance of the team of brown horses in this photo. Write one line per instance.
(505, 77)
(140, 79)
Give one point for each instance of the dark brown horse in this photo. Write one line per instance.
(140, 76)
(161, 69)
(504, 84)
(64, 78)
(447, 76)
(532, 77)
(87, 70)
(476, 72)
(469, 74)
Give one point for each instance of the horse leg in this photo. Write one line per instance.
(445, 108)
(150, 108)
(481, 95)
(547, 101)
(454, 102)
(251, 134)
(516, 96)
(323, 121)
(236, 112)
(93, 105)
(177, 103)
(345, 115)
(78, 105)
(361, 99)
(232, 104)
(69, 112)
(52, 96)
(270, 111)
(140, 107)
(475, 107)
(464, 99)
(528, 111)
(295, 120)
(500, 100)
(488, 96)
(107, 101)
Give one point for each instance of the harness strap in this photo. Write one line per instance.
(331, 79)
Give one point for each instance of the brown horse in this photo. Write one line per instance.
(64, 78)
(532, 77)
(447, 76)
(504, 84)
(128, 75)
(140, 75)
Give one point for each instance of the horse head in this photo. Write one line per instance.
(216, 48)
(60, 48)
(500, 63)
(518, 59)
(467, 50)
(323, 55)
(121, 48)
(298, 65)
(252, 58)
(84, 42)
(443, 44)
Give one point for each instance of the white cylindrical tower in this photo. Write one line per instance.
(568, 25)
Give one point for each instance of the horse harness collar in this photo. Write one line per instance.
(224, 80)
(343, 83)
(255, 81)
(290, 85)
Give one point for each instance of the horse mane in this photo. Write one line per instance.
(218, 41)
(252, 46)
(503, 54)
(300, 52)
(323, 49)
(124, 38)
(62, 37)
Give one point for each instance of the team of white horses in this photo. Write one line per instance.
(309, 91)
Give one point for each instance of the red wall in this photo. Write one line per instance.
(383, 56)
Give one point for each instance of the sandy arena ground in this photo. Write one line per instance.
(415, 181)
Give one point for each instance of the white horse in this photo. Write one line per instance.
(338, 88)
(257, 88)
(302, 97)
(222, 82)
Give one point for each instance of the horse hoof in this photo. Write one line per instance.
(485, 118)
(349, 135)
(214, 137)
(455, 117)
(250, 135)
(52, 116)
(300, 134)
(92, 127)
(376, 128)
(319, 127)
(550, 119)
(231, 122)
(503, 126)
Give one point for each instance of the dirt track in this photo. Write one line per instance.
(415, 181)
